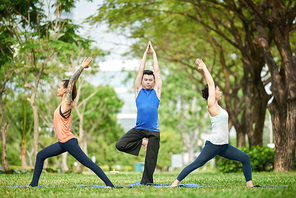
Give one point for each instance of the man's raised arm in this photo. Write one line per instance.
(138, 81)
(158, 81)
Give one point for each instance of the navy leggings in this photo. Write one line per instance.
(73, 148)
(210, 151)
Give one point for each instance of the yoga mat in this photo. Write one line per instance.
(115, 186)
(197, 186)
(90, 186)
(183, 185)
(27, 187)
(260, 186)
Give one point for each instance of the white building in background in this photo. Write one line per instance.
(115, 74)
(127, 121)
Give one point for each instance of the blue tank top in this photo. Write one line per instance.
(147, 104)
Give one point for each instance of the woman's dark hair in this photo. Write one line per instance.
(205, 91)
(74, 92)
(148, 72)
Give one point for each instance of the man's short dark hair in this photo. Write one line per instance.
(148, 72)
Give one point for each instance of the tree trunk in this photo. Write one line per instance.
(30, 157)
(36, 132)
(23, 155)
(283, 87)
(36, 121)
(45, 163)
(79, 167)
(260, 101)
(85, 145)
(64, 162)
(4, 153)
(191, 153)
(229, 127)
(291, 133)
(284, 135)
(248, 119)
(241, 135)
(259, 112)
(3, 131)
(233, 118)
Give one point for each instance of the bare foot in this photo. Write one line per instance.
(145, 143)
(27, 186)
(250, 183)
(175, 183)
(108, 187)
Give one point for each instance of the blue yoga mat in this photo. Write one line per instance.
(183, 185)
(115, 186)
(198, 186)
(150, 184)
(260, 186)
(27, 187)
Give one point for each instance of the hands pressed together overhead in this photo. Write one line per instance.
(149, 48)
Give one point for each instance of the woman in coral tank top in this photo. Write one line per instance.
(66, 139)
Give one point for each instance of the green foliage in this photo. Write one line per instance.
(167, 136)
(100, 110)
(50, 170)
(182, 108)
(100, 123)
(183, 30)
(37, 33)
(21, 117)
(6, 42)
(9, 9)
(13, 155)
(103, 148)
(20, 131)
(262, 159)
(179, 38)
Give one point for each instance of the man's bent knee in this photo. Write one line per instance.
(119, 146)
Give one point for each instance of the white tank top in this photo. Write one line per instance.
(219, 134)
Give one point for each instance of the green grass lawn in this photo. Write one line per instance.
(63, 185)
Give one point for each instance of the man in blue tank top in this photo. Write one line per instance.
(146, 132)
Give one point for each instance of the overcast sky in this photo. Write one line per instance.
(107, 41)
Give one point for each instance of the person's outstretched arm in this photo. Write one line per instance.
(212, 104)
(158, 81)
(72, 81)
(138, 81)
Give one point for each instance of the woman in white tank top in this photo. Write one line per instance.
(219, 134)
(217, 142)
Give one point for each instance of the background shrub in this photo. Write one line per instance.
(262, 159)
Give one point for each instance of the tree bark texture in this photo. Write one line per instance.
(79, 167)
(4, 152)
(4, 125)
(283, 80)
(23, 155)
(64, 161)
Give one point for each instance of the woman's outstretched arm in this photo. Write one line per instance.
(212, 103)
(74, 78)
